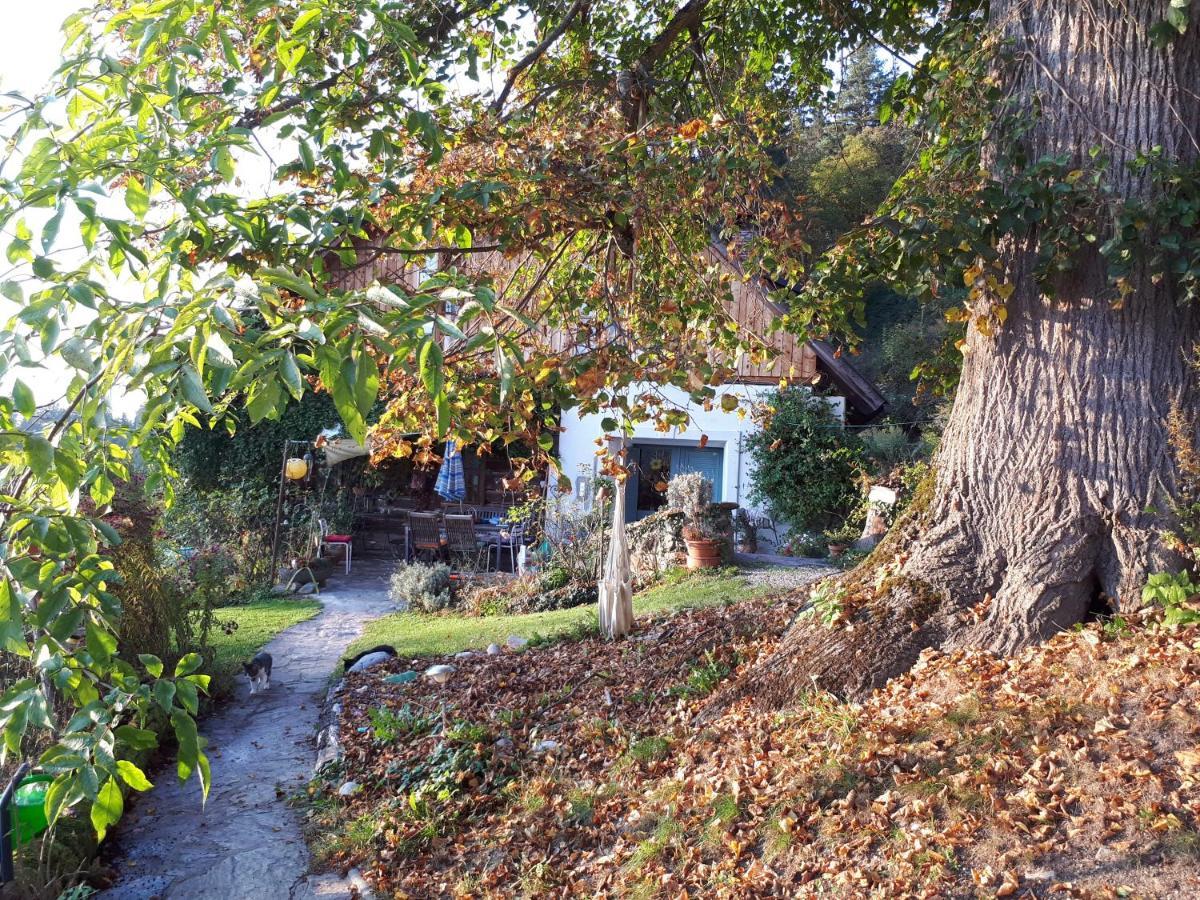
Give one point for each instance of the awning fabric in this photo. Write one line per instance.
(339, 450)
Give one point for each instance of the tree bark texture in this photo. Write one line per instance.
(1056, 472)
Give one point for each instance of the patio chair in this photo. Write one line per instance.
(512, 543)
(462, 541)
(765, 523)
(425, 535)
(335, 540)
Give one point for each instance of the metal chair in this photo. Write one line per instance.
(335, 540)
(425, 534)
(461, 540)
(765, 523)
(512, 543)
(397, 536)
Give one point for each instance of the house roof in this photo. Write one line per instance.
(863, 399)
(861, 395)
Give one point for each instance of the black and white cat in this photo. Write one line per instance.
(258, 670)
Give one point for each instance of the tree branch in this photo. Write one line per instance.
(534, 55)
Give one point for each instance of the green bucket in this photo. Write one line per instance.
(29, 805)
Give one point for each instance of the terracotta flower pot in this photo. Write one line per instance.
(835, 550)
(703, 554)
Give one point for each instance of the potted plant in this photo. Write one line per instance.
(703, 547)
(837, 540)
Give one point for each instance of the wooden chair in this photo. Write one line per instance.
(425, 534)
(335, 540)
(462, 541)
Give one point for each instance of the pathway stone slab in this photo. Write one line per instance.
(246, 842)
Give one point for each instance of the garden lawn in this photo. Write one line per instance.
(414, 634)
(257, 624)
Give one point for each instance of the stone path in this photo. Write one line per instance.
(246, 841)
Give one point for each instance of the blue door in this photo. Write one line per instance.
(653, 465)
(709, 462)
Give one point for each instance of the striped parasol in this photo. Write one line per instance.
(451, 485)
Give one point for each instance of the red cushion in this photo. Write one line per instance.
(337, 538)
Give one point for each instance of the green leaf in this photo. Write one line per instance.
(152, 663)
(164, 694)
(107, 807)
(137, 738)
(193, 388)
(111, 536)
(137, 198)
(133, 776)
(50, 230)
(290, 373)
(41, 454)
(443, 416)
(265, 401)
(222, 163)
(306, 157)
(430, 365)
(188, 664)
(305, 21)
(101, 643)
(505, 364)
(60, 795)
(366, 384)
(23, 398)
(217, 352)
(185, 692)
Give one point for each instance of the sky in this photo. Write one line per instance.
(30, 41)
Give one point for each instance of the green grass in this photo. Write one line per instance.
(257, 623)
(415, 635)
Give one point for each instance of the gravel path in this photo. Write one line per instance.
(246, 842)
(797, 572)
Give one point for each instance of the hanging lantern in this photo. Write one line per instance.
(296, 468)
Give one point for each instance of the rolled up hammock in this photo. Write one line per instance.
(616, 587)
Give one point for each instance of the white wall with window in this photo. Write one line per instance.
(657, 456)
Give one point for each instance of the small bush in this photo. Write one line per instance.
(826, 602)
(422, 586)
(554, 578)
(807, 544)
(887, 447)
(806, 465)
(703, 677)
(690, 492)
(1174, 592)
(388, 725)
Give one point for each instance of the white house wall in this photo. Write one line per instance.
(577, 442)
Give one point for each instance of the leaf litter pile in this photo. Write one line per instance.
(586, 769)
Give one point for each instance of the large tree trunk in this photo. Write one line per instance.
(1056, 473)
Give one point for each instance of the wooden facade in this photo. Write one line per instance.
(750, 306)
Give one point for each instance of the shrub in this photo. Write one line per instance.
(237, 521)
(887, 447)
(422, 586)
(807, 544)
(167, 603)
(691, 493)
(806, 465)
(554, 577)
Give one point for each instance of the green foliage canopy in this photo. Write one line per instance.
(184, 207)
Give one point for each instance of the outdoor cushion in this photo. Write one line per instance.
(337, 538)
